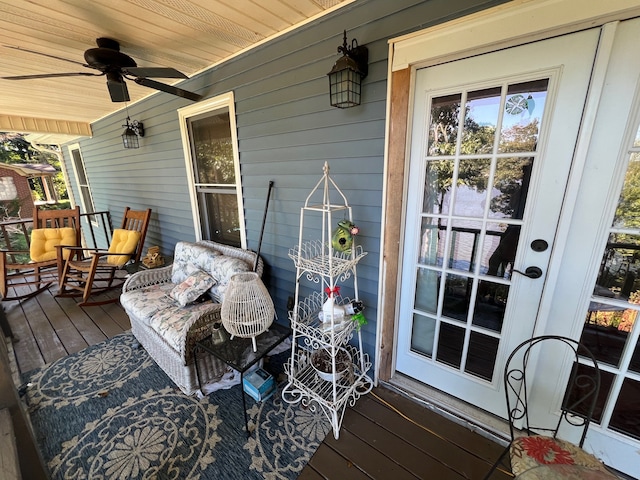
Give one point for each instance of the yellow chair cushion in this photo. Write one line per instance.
(44, 241)
(123, 241)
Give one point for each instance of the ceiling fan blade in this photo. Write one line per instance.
(52, 75)
(117, 89)
(44, 54)
(159, 72)
(168, 89)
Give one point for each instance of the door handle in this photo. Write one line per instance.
(531, 272)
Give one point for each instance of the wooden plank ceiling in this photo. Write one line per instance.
(188, 35)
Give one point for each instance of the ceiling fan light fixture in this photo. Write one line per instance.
(133, 130)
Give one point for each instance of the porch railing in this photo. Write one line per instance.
(15, 232)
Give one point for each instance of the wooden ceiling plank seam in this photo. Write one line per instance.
(246, 16)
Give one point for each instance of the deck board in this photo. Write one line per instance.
(385, 435)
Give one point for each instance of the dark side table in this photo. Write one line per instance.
(238, 354)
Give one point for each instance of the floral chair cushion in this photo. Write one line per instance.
(195, 285)
(532, 451)
(189, 256)
(148, 301)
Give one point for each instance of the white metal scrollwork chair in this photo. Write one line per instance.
(95, 271)
(536, 452)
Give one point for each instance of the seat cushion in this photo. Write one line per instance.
(44, 242)
(533, 451)
(123, 241)
(145, 302)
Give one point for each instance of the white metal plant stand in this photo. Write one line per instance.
(319, 269)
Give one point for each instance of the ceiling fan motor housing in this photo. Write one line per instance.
(108, 56)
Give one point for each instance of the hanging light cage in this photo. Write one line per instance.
(345, 78)
(133, 129)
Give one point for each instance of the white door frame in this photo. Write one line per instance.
(514, 23)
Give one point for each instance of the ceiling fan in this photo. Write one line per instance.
(116, 66)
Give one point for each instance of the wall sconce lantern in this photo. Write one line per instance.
(345, 78)
(132, 130)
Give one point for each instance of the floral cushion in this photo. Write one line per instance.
(195, 285)
(530, 452)
(189, 256)
(148, 301)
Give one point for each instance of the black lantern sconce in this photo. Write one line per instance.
(345, 78)
(133, 129)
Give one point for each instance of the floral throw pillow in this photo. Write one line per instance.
(192, 287)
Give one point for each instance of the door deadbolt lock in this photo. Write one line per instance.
(539, 245)
(531, 272)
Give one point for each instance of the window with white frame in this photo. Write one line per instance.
(86, 199)
(211, 154)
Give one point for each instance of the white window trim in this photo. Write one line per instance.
(85, 209)
(221, 101)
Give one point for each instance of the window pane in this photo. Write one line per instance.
(213, 149)
(221, 224)
(628, 209)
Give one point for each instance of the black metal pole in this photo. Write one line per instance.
(264, 220)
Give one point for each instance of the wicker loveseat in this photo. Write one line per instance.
(167, 327)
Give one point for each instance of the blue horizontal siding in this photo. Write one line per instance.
(286, 132)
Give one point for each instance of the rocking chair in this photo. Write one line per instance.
(51, 230)
(95, 271)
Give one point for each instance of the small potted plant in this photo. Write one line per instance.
(321, 362)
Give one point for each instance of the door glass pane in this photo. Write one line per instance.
(490, 306)
(510, 187)
(625, 415)
(443, 128)
(450, 344)
(481, 356)
(427, 291)
(431, 242)
(628, 212)
(465, 235)
(437, 188)
(457, 292)
(471, 187)
(523, 111)
(499, 249)
(422, 334)
(480, 120)
(478, 162)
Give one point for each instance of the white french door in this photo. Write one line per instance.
(493, 138)
(528, 157)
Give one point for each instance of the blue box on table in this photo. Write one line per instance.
(259, 384)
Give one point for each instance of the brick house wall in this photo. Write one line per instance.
(15, 186)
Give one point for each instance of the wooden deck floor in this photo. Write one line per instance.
(384, 436)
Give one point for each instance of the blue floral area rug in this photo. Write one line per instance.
(109, 412)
